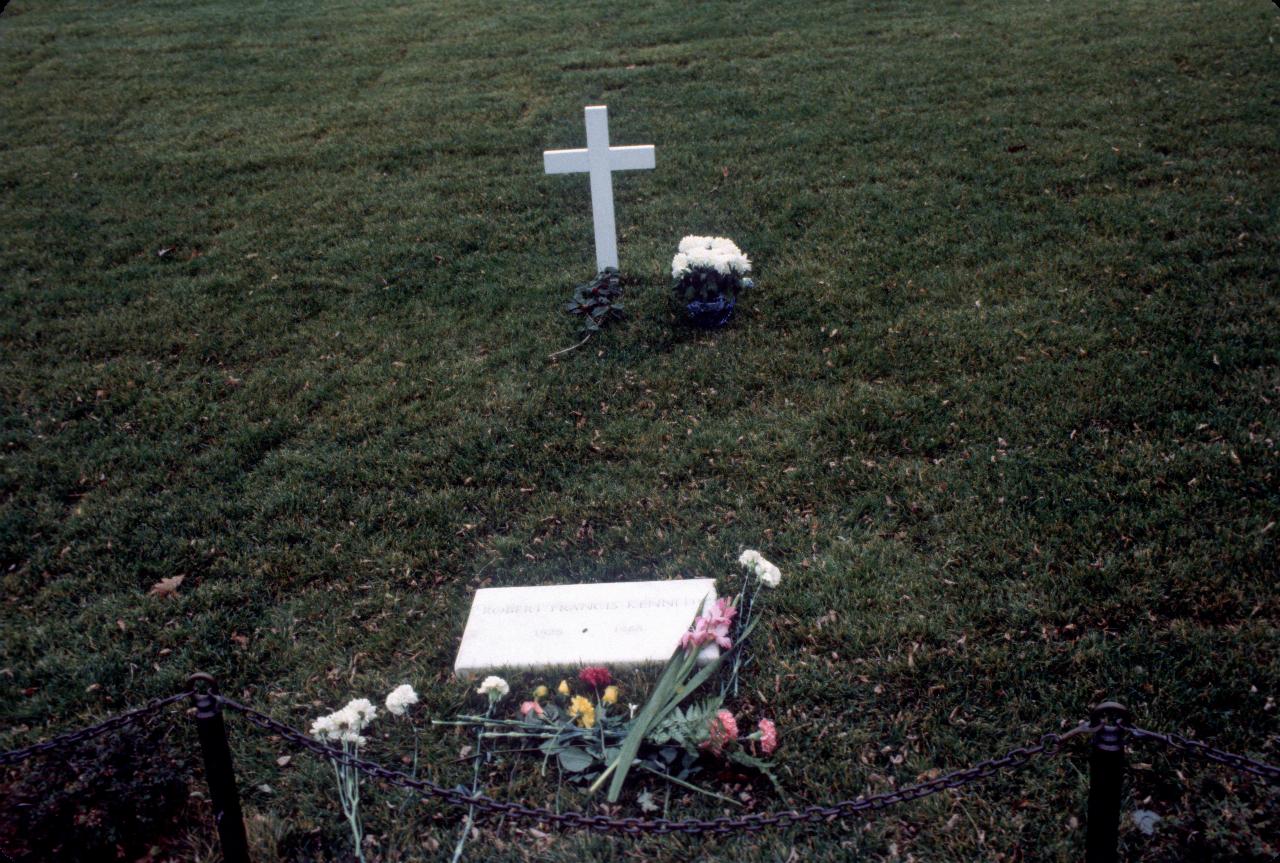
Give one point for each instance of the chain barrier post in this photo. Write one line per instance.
(1106, 782)
(218, 769)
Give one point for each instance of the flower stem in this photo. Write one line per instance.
(475, 789)
(689, 785)
(570, 348)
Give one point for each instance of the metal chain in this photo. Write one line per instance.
(1048, 745)
(1208, 753)
(73, 738)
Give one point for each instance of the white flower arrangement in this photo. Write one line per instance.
(709, 270)
(709, 253)
(344, 727)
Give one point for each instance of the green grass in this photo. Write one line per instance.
(1003, 407)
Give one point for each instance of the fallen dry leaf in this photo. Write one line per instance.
(166, 586)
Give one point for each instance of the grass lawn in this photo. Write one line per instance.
(279, 281)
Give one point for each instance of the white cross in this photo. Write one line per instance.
(600, 160)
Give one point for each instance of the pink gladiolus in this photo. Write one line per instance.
(726, 609)
(697, 636)
(721, 621)
(768, 736)
(712, 625)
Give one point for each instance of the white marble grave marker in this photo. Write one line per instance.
(571, 625)
(600, 161)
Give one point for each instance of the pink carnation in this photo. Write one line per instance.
(595, 676)
(530, 707)
(768, 736)
(722, 730)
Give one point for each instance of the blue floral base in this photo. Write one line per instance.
(711, 314)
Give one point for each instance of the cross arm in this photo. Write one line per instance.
(635, 158)
(565, 161)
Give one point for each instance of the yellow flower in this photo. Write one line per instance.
(563, 688)
(540, 692)
(583, 711)
(610, 695)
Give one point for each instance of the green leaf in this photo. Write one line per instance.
(689, 785)
(574, 760)
(763, 766)
(640, 727)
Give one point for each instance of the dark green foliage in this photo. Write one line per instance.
(702, 283)
(598, 301)
(113, 798)
(1004, 410)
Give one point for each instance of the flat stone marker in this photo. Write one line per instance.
(620, 624)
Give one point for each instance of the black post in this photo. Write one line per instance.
(218, 769)
(1106, 782)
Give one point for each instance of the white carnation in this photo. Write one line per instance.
(362, 710)
(679, 265)
(323, 728)
(494, 687)
(346, 724)
(725, 246)
(401, 699)
(769, 574)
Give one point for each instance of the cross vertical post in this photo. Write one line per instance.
(597, 118)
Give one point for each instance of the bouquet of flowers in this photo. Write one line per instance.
(593, 737)
(708, 268)
(588, 730)
(342, 730)
(705, 726)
